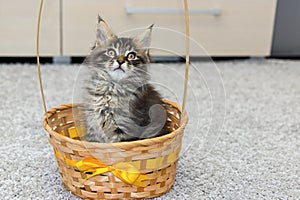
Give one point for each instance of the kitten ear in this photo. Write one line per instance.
(144, 39)
(103, 32)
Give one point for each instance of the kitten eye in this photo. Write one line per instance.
(111, 52)
(131, 56)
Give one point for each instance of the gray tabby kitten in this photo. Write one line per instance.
(120, 104)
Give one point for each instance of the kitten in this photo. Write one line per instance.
(120, 104)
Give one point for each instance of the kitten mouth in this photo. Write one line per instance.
(119, 68)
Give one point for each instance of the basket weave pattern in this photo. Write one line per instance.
(142, 152)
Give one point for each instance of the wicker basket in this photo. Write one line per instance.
(125, 170)
(160, 177)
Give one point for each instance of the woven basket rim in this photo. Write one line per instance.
(143, 142)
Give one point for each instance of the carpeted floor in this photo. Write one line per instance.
(255, 155)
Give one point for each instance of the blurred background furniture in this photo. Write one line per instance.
(219, 28)
(18, 20)
(286, 38)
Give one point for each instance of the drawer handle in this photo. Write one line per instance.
(130, 11)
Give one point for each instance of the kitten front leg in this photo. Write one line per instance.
(93, 135)
(98, 126)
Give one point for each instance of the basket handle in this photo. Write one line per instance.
(187, 56)
(187, 60)
(38, 55)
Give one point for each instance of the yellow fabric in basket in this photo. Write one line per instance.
(75, 132)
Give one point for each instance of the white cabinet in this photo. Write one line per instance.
(222, 27)
(18, 23)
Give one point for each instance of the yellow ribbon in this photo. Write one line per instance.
(124, 171)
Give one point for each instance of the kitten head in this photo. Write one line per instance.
(120, 57)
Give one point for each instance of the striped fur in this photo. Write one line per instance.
(119, 97)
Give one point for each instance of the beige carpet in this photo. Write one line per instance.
(255, 155)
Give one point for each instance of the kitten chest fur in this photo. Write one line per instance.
(109, 102)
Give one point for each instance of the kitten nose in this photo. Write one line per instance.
(121, 59)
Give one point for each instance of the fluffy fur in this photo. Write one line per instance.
(120, 104)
